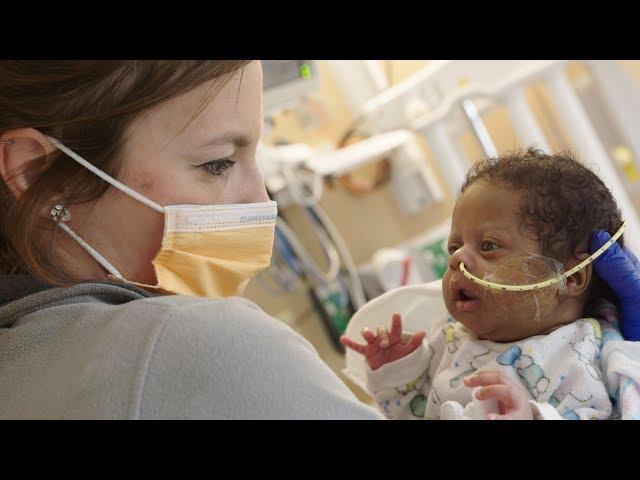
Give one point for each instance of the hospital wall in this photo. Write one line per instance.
(374, 221)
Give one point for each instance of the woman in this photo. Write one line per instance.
(132, 215)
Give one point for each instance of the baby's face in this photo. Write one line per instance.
(486, 236)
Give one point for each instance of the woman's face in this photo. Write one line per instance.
(211, 161)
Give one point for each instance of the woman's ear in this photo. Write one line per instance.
(579, 282)
(18, 150)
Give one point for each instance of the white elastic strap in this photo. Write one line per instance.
(97, 257)
(120, 186)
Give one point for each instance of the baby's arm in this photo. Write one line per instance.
(397, 376)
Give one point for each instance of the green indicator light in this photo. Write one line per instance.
(305, 71)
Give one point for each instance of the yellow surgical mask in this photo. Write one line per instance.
(206, 250)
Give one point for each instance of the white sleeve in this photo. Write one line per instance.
(621, 364)
(544, 411)
(396, 386)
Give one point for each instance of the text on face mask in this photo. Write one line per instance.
(258, 218)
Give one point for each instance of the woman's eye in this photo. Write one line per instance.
(218, 167)
(487, 246)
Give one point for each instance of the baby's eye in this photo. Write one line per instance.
(487, 246)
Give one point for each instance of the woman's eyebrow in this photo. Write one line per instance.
(238, 139)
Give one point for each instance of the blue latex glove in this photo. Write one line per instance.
(620, 269)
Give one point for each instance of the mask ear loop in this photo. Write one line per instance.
(545, 283)
(60, 214)
(120, 186)
(114, 274)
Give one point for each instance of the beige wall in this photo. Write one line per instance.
(374, 221)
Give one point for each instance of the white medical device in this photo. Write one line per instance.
(287, 81)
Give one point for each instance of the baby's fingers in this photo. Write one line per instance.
(347, 342)
(414, 342)
(383, 337)
(501, 393)
(396, 328)
(497, 416)
(491, 377)
(369, 336)
(512, 415)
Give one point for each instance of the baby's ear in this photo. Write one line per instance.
(579, 282)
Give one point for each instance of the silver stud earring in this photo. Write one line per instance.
(60, 214)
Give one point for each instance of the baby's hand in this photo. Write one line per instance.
(385, 347)
(512, 399)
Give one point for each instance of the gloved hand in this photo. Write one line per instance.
(620, 269)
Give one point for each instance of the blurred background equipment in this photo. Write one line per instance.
(285, 82)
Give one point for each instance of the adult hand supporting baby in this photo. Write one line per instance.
(620, 269)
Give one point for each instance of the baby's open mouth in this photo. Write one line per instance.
(465, 295)
(466, 299)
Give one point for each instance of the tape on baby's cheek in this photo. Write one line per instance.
(523, 270)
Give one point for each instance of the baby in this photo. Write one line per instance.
(514, 355)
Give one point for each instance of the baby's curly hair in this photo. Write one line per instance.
(563, 202)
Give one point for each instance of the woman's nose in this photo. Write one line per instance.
(259, 189)
(253, 187)
(262, 195)
(461, 255)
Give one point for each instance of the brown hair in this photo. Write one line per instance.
(88, 106)
(563, 202)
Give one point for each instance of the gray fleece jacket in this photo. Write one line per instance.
(107, 351)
